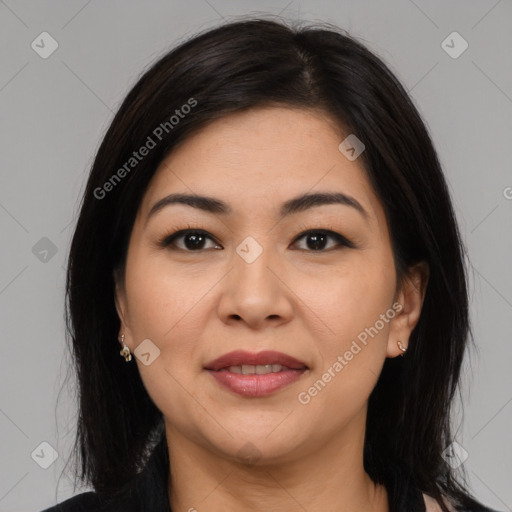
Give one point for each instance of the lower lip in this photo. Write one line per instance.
(256, 385)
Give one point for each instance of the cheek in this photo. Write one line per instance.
(167, 306)
(351, 359)
(162, 298)
(161, 305)
(357, 310)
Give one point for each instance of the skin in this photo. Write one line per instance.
(197, 304)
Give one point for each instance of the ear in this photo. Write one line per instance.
(122, 308)
(410, 298)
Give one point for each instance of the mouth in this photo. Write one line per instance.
(256, 375)
(267, 359)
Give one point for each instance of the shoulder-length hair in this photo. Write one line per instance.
(237, 66)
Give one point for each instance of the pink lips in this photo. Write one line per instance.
(254, 385)
(239, 357)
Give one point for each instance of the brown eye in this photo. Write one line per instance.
(317, 240)
(193, 240)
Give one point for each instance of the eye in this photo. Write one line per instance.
(194, 239)
(316, 239)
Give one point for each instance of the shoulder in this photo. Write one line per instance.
(431, 505)
(89, 502)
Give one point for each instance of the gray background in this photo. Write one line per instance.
(54, 112)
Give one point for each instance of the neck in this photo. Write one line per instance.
(330, 478)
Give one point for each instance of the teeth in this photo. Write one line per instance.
(259, 369)
(248, 369)
(262, 369)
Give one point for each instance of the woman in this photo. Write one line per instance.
(267, 231)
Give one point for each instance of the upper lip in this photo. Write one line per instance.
(240, 357)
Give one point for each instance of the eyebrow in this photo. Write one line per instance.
(289, 207)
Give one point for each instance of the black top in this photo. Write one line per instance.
(149, 492)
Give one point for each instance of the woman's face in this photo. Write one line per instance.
(249, 282)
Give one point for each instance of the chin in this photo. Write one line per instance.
(255, 449)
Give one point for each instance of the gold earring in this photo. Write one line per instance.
(401, 347)
(125, 352)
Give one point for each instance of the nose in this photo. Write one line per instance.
(256, 292)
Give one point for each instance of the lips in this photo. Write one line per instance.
(256, 375)
(241, 357)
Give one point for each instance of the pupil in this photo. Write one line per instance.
(197, 240)
(316, 239)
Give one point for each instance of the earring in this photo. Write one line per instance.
(125, 352)
(401, 347)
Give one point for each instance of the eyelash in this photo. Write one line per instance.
(169, 238)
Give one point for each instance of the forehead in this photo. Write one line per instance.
(258, 158)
